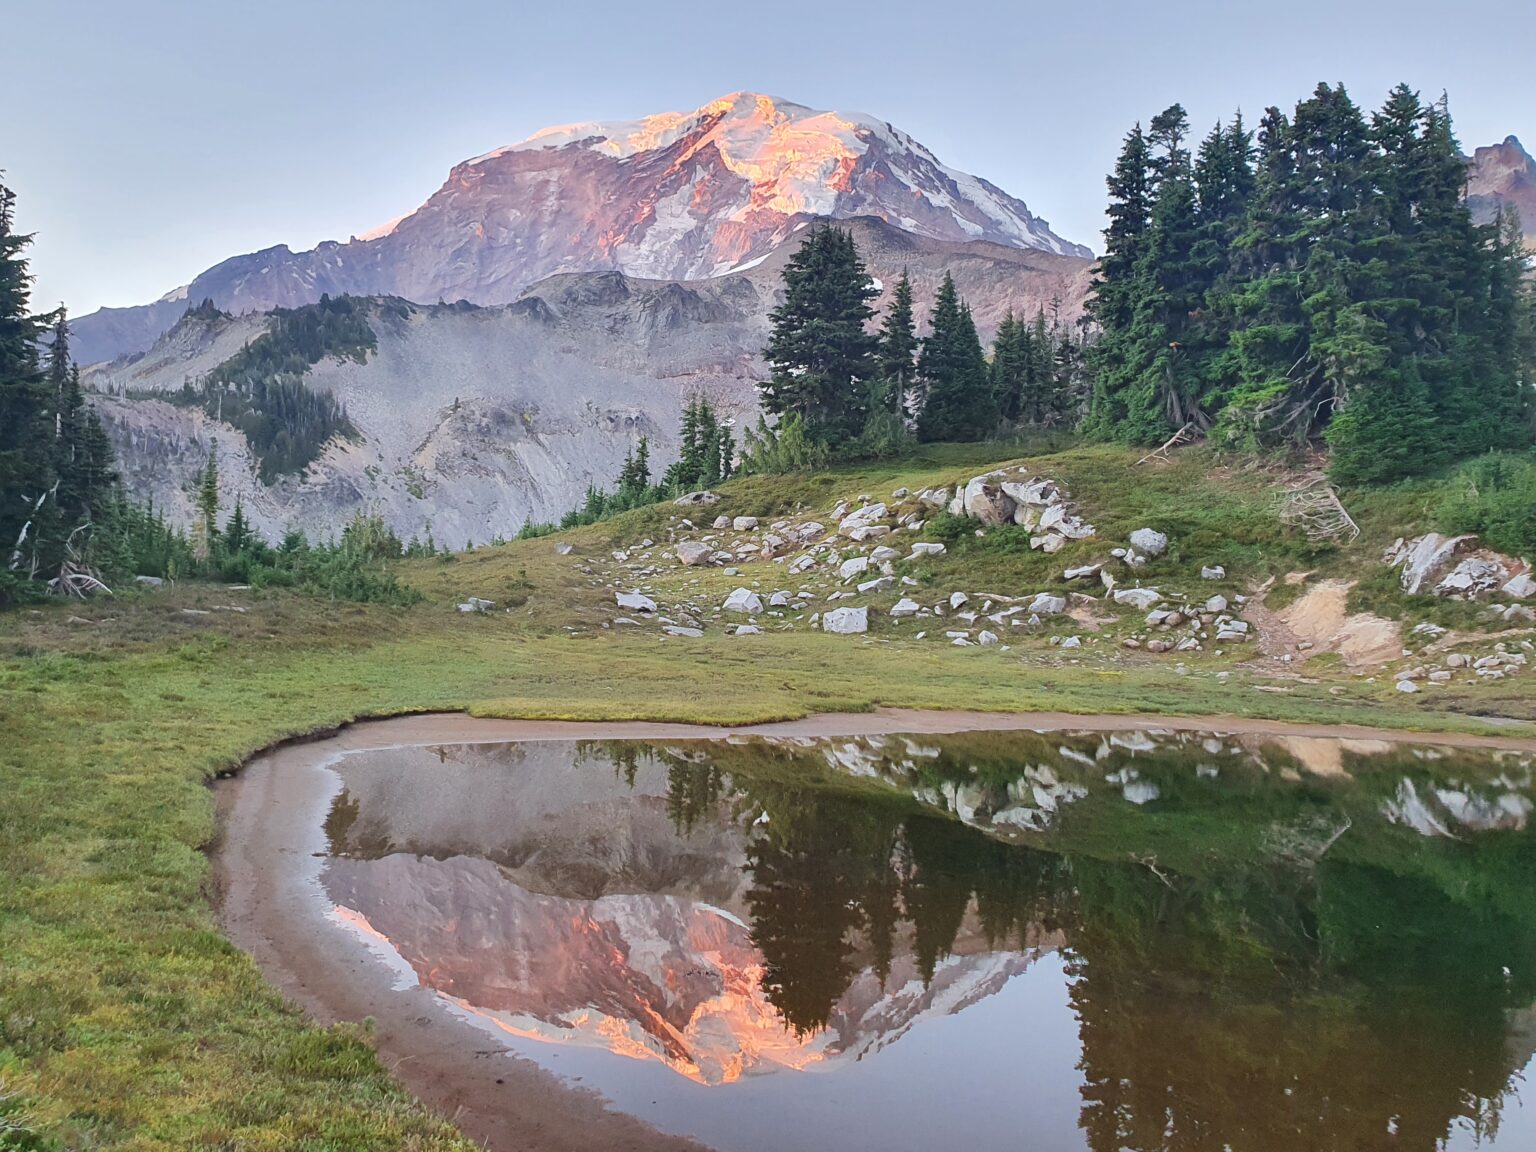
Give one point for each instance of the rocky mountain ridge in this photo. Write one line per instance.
(475, 420)
(679, 196)
(1503, 175)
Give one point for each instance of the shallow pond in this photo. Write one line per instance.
(1009, 940)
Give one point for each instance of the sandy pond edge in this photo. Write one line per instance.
(269, 846)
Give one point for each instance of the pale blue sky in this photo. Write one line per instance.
(148, 139)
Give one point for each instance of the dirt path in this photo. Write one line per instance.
(271, 850)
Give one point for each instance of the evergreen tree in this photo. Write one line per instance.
(896, 354)
(237, 533)
(1011, 354)
(1121, 283)
(952, 374)
(26, 475)
(819, 352)
(206, 530)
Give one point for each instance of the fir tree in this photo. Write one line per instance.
(896, 355)
(819, 352)
(237, 533)
(952, 374)
(207, 503)
(26, 474)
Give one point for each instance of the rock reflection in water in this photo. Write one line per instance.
(1268, 944)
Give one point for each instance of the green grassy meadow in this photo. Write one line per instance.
(127, 1021)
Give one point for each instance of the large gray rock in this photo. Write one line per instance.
(854, 566)
(862, 518)
(691, 499)
(1141, 599)
(1149, 542)
(1521, 587)
(986, 502)
(635, 602)
(744, 601)
(845, 621)
(1426, 559)
(1047, 604)
(1474, 577)
(694, 554)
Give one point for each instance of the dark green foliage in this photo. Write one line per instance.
(786, 448)
(707, 453)
(896, 352)
(261, 391)
(25, 410)
(820, 353)
(1495, 497)
(957, 401)
(1036, 372)
(1327, 284)
(57, 468)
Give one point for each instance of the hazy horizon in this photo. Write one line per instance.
(168, 136)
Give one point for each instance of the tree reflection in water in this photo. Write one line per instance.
(1265, 951)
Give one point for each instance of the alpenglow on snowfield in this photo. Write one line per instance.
(677, 196)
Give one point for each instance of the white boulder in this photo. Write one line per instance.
(845, 621)
(1141, 599)
(635, 602)
(1522, 587)
(862, 518)
(1149, 541)
(855, 566)
(743, 600)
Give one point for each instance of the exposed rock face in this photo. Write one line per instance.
(677, 196)
(1499, 176)
(472, 421)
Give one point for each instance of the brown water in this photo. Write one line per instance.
(1064, 940)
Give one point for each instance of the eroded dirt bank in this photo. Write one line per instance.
(272, 848)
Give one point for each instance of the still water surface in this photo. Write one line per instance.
(1033, 941)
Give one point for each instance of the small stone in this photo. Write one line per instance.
(1216, 604)
(922, 548)
(906, 607)
(635, 602)
(1214, 572)
(987, 638)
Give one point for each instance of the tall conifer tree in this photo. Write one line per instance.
(820, 354)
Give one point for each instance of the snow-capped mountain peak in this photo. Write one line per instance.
(675, 196)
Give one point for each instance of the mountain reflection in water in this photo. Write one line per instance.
(1266, 944)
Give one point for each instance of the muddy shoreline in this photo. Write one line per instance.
(270, 852)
